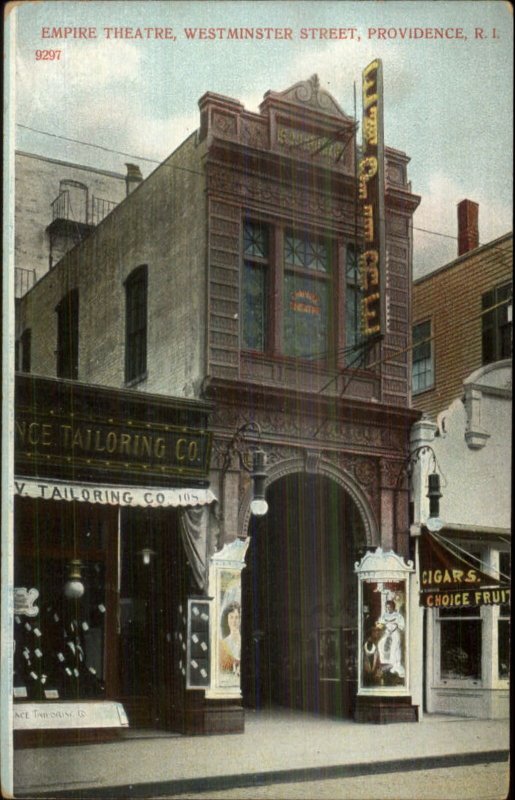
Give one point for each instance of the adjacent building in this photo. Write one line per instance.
(57, 204)
(462, 379)
(232, 276)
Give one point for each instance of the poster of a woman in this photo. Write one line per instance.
(230, 645)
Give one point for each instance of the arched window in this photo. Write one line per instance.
(136, 325)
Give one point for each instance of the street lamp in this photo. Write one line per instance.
(239, 446)
(258, 504)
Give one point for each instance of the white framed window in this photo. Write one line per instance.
(422, 365)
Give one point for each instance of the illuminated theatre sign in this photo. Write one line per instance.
(450, 580)
(371, 196)
(78, 432)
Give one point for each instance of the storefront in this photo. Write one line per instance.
(465, 589)
(111, 507)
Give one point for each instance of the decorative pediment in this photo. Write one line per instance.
(232, 554)
(385, 565)
(309, 93)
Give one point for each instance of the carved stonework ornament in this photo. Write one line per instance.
(386, 563)
(262, 190)
(309, 93)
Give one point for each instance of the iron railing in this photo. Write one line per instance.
(99, 208)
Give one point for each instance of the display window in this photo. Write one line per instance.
(384, 632)
(63, 557)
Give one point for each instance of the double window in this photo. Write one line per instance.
(136, 325)
(289, 297)
(496, 323)
(422, 370)
(68, 336)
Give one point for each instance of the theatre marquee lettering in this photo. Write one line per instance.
(131, 444)
(371, 195)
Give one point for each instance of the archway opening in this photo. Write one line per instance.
(299, 629)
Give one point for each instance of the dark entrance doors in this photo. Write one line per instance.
(152, 587)
(300, 599)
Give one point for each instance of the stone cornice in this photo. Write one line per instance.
(345, 410)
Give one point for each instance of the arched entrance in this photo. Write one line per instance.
(300, 598)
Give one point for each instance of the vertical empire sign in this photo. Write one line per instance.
(371, 196)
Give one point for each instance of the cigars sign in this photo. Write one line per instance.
(371, 196)
(449, 579)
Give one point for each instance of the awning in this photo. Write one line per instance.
(451, 578)
(148, 497)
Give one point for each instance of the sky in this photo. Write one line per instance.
(448, 102)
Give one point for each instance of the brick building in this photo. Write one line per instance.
(57, 203)
(462, 380)
(230, 275)
(461, 315)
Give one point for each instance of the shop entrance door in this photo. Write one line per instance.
(150, 583)
(300, 600)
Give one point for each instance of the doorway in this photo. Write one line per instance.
(299, 628)
(152, 583)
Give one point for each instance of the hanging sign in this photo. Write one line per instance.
(448, 580)
(371, 196)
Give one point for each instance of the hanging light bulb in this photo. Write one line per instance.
(74, 588)
(146, 553)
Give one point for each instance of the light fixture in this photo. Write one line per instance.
(239, 446)
(74, 588)
(258, 504)
(146, 554)
(434, 523)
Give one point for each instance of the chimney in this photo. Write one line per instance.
(133, 177)
(468, 231)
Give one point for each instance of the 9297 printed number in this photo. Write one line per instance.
(48, 55)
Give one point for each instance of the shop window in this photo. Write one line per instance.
(255, 280)
(460, 643)
(496, 323)
(60, 601)
(422, 371)
(136, 325)
(68, 336)
(503, 622)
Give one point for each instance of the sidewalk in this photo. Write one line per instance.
(277, 746)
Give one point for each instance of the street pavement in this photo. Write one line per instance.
(282, 752)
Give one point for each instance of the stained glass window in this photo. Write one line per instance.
(307, 252)
(255, 282)
(305, 299)
(305, 317)
(254, 306)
